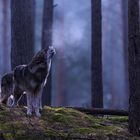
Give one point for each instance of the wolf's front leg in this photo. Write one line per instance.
(36, 104)
(40, 98)
(29, 103)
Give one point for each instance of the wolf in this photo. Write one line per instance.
(28, 79)
(32, 77)
(6, 93)
(6, 87)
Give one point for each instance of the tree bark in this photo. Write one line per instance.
(46, 42)
(5, 36)
(22, 31)
(96, 68)
(134, 66)
(125, 50)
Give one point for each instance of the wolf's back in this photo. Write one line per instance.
(19, 72)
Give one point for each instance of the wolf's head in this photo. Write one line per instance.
(50, 53)
(42, 59)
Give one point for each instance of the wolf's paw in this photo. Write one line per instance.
(40, 109)
(10, 101)
(29, 112)
(38, 114)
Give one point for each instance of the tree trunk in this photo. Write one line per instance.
(46, 42)
(125, 49)
(22, 31)
(5, 36)
(96, 83)
(134, 66)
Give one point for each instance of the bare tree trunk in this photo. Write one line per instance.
(96, 83)
(22, 31)
(46, 42)
(113, 80)
(125, 49)
(5, 36)
(1, 4)
(134, 66)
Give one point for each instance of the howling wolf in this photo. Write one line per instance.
(32, 77)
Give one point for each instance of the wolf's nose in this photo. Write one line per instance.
(51, 47)
(53, 51)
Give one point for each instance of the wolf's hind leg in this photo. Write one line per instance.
(29, 103)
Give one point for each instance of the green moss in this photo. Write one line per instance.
(4, 113)
(119, 119)
(55, 133)
(111, 130)
(57, 117)
(60, 123)
(8, 136)
(83, 130)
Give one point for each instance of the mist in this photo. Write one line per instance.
(71, 70)
(72, 39)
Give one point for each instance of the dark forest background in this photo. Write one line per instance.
(71, 70)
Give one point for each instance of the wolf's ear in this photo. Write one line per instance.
(44, 51)
(41, 52)
(37, 54)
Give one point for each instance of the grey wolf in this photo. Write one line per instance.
(6, 97)
(32, 77)
(6, 94)
(6, 87)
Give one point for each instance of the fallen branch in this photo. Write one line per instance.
(100, 111)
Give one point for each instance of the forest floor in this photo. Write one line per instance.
(61, 124)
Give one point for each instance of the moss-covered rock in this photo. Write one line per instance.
(60, 123)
